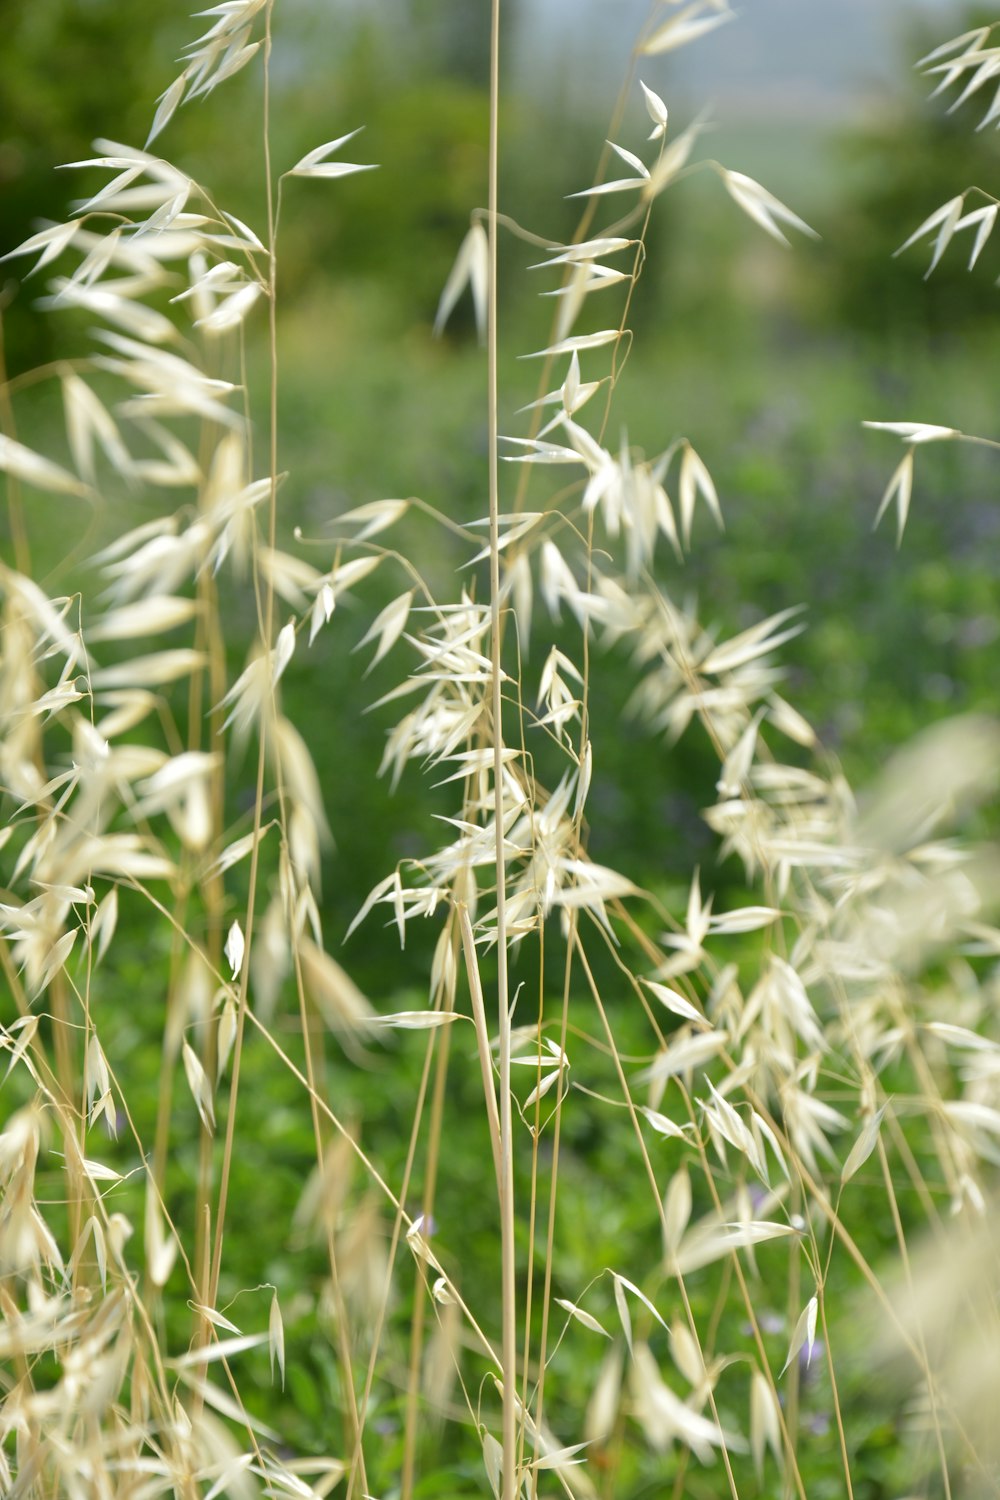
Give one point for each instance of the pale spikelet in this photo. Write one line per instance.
(686, 25)
(442, 1358)
(763, 207)
(108, 302)
(725, 1124)
(44, 617)
(318, 1210)
(335, 995)
(289, 576)
(602, 1408)
(228, 502)
(750, 645)
(23, 463)
(237, 851)
(947, 769)
(210, 1452)
(779, 1004)
(192, 1001)
(471, 269)
(315, 163)
(168, 384)
(363, 1261)
(20, 1143)
(220, 52)
(347, 575)
(945, 1304)
(676, 1211)
(234, 949)
(602, 189)
(765, 1427)
(561, 704)
(159, 565)
(238, 295)
(24, 1031)
(684, 1053)
(160, 1243)
(181, 788)
(584, 279)
(444, 970)
(374, 517)
(790, 722)
(804, 1333)
(227, 1032)
(387, 626)
(665, 1418)
(454, 704)
(88, 422)
(571, 395)
(173, 466)
(300, 777)
(146, 617)
(580, 1315)
(99, 1099)
(157, 669)
(492, 1462)
(250, 700)
(270, 959)
(554, 875)
(39, 944)
(129, 856)
(711, 1240)
(304, 844)
(51, 241)
(809, 1122)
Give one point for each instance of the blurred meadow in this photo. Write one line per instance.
(767, 358)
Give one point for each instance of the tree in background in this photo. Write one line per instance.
(69, 71)
(898, 168)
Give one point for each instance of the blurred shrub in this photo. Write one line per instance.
(899, 168)
(70, 70)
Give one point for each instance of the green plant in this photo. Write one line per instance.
(609, 1119)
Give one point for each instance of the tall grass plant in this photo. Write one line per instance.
(616, 1195)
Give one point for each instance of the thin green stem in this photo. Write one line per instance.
(268, 630)
(507, 1225)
